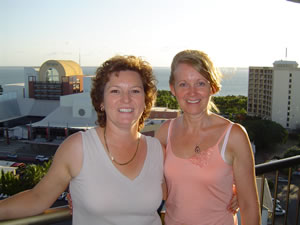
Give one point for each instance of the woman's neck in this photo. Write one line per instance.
(119, 134)
(192, 123)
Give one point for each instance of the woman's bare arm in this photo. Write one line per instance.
(45, 193)
(244, 175)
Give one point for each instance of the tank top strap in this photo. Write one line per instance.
(169, 131)
(227, 132)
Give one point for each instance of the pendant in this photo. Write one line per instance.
(197, 149)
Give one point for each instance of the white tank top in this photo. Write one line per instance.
(102, 195)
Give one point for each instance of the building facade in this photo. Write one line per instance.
(273, 93)
(53, 79)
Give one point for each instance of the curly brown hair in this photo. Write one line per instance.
(121, 63)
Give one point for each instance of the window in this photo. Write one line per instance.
(52, 74)
(290, 75)
(287, 124)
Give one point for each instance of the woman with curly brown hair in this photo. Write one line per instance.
(115, 173)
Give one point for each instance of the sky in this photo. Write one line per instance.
(233, 33)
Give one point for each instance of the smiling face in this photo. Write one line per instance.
(124, 98)
(191, 89)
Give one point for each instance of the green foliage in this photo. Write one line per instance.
(292, 151)
(228, 105)
(232, 106)
(265, 133)
(166, 99)
(26, 178)
(9, 183)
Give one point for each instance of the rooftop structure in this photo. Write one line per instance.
(54, 79)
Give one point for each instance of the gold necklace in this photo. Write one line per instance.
(112, 158)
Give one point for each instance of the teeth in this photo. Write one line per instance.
(125, 110)
(193, 101)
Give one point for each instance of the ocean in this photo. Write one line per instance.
(234, 82)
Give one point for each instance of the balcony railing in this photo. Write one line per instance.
(269, 170)
(50, 216)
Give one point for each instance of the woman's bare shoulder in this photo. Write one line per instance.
(238, 131)
(220, 121)
(71, 143)
(162, 132)
(71, 148)
(239, 140)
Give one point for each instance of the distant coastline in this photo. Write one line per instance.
(235, 80)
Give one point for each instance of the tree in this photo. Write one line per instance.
(232, 106)
(27, 177)
(292, 151)
(9, 184)
(166, 99)
(265, 133)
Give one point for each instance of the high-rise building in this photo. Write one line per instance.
(273, 93)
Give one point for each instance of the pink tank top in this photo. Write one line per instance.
(199, 188)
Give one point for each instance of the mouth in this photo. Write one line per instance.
(193, 101)
(125, 110)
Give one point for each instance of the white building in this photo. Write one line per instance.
(273, 93)
(40, 93)
(74, 111)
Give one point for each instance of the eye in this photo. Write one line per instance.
(114, 91)
(182, 84)
(202, 84)
(136, 91)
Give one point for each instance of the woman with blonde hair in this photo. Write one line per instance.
(206, 154)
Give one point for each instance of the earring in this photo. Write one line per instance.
(101, 108)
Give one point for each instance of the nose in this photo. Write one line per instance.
(126, 97)
(192, 90)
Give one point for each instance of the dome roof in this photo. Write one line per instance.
(54, 70)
